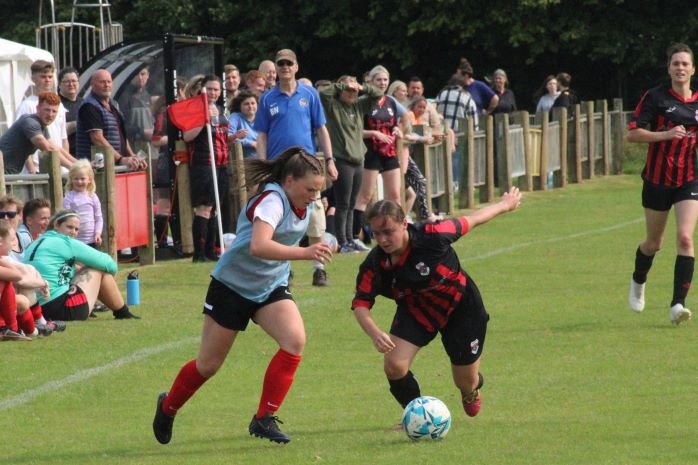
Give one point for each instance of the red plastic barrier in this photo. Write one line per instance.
(131, 210)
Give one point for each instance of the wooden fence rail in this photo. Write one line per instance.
(540, 151)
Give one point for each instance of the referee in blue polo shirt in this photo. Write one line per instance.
(290, 114)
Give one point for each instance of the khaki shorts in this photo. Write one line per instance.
(317, 224)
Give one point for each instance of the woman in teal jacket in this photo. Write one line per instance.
(56, 255)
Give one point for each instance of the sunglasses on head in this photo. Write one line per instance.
(8, 215)
(281, 63)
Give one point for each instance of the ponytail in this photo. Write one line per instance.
(294, 162)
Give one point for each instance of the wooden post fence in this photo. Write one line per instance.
(564, 177)
(50, 162)
(470, 163)
(489, 163)
(109, 198)
(185, 207)
(602, 105)
(543, 181)
(618, 135)
(591, 145)
(578, 142)
(146, 253)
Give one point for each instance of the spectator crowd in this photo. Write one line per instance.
(51, 267)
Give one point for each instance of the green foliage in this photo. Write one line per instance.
(634, 158)
(611, 47)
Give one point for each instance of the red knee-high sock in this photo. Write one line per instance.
(37, 313)
(26, 322)
(8, 306)
(4, 317)
(187, 382)
(277, 381)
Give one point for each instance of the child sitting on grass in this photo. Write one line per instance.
(11, 214)
(16, 322)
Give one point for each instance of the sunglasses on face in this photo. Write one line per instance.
(282, 63)
(8, 215)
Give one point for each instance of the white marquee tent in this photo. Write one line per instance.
(15, 76)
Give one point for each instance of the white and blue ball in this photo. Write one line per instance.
(427, 418)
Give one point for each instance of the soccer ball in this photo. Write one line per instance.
(426, 417)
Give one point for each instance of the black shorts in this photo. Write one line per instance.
(231, 310)
(71, 306)
(162, 170)
(463, 337)
(201, 178)
(377, 162)
(661, 198)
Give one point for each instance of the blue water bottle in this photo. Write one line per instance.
(133, 289)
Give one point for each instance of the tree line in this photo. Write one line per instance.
(611, 47)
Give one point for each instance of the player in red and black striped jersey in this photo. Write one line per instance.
(416, 266)
(667, 119)
(672, 122)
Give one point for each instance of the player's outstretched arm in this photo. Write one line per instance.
(509, 201)
(381, 340)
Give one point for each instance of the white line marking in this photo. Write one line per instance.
(522, 245)
(82, 375)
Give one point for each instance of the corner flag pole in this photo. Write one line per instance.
(212, 157)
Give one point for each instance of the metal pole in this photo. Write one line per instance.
(215, 185)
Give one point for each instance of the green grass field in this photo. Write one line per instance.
(572, 375)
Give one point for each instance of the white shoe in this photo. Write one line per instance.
(636, 298)
(360, 246)
(679, 314)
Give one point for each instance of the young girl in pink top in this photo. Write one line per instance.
(80, 196)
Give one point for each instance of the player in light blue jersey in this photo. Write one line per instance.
(250, 282)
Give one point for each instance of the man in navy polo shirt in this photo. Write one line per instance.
(290, 114)
(101, 123)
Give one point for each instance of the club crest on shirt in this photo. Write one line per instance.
(474, 346)
(65, 274)
(422, 269)
(303, 102)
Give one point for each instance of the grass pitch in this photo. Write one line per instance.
(572, 375)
